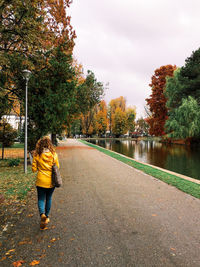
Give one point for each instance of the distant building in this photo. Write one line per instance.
(14, 120)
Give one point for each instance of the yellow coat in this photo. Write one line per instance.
(43, 165)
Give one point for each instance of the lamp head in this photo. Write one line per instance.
(26, 74)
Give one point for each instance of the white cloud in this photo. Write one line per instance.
(123, 42)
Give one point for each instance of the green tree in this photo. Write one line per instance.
(190, 76)
(185, 120)
(142, 126)
(183, 95)
(131, 114)
(51, 94)
(89, 94)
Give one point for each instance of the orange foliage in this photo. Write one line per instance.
(157, 100)
(79, 71)
(59, 23)
(119, 102)
(101, 118)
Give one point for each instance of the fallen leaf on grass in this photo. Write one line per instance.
(33, 263)
(2, 259)
(9, 251)
(18, 263)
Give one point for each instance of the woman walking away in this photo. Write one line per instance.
(43, 159)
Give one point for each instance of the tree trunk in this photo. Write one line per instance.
(4, 126)
(53, 139)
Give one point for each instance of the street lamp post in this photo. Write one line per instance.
(26, 75)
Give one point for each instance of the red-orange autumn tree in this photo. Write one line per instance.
(157, 100)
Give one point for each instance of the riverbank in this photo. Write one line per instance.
(183, 183)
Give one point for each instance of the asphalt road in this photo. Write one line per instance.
(107, 214)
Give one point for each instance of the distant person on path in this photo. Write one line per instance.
(43, 159)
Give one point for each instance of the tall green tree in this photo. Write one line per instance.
(131, 114)
(90, 93)
(190, 76)
(51, 94)
(183, 94)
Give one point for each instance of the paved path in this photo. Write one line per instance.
(109, 214)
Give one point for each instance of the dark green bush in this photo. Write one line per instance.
(14, 162)
(7, 134)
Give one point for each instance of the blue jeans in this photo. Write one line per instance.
(44, 199)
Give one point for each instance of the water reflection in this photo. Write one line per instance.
(177, 158)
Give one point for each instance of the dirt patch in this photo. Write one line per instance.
(13, 153)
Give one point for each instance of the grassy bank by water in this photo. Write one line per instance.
(182, 184)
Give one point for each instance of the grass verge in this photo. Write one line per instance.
(15, 145)
(182, 184)
(14, 183)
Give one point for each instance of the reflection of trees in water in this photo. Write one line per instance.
(178, 158)
(125, 147)
(185, 160)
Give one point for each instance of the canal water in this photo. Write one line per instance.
(177, 158)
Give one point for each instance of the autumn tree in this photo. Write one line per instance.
(119, 122)
(157, 100)
(88, 124)
(119, 102)
(29, 28)
(101, 118)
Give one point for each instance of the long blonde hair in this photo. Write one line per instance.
(44, 142)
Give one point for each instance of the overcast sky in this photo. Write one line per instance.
(124, 41)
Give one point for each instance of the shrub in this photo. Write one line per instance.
(7, 135)
(14, 162)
